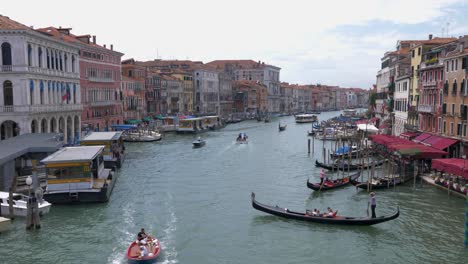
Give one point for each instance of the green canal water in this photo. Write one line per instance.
(197, 202)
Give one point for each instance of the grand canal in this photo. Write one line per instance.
(197, 202)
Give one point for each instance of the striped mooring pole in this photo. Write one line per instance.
(466, 220)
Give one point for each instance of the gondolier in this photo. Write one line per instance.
(372, 203)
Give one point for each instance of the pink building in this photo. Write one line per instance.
(100, 78)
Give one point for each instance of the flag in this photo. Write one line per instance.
(64, 96)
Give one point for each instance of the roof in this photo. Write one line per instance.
(421, 137)
(76, 154)
(7, 23)
(27, 143)
(99, 136)
(404, 147)
(242, 64)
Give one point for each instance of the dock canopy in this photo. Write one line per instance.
(103, 136)
(408, 135)
(74, 154)
(453, 166)
(407, 148)
(439, 142)
(421, 137)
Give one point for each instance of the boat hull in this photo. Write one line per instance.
(133, 250)
(337, 220)
(198, 144)
(335, 184)
(23, 211)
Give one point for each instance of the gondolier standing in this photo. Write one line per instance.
(322, 174)
(372, 203)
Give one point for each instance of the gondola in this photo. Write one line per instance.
(282, 128)
(337, 220)
(352, 167)
(329, 185)
(377, 184)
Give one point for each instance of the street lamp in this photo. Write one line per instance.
(29, 182)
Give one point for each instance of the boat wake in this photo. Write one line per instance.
(169, 250)
(118, 250)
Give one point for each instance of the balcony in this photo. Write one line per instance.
(427, 108)
(39, 108)
(101, 80)
(6, 68)
(46, 71)
(431, 64)
(104, 103)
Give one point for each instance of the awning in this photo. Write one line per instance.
(160, 117)
(439, 142)
(453, 166)
(421, 137)
(133, 121)
(147, 119)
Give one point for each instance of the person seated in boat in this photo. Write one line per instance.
(143, 251)
(199, 139)
(142, 237)
(315, 212)
(239, 138)
(330, 212)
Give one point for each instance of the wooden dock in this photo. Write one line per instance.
(431, 181)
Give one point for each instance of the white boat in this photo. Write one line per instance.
(20, 202)
(142, 136)
(199, 143)
(306, 118)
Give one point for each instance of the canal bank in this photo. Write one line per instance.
(197, 202)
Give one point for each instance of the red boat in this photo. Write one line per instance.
(152, 246)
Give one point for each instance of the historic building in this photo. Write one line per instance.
(206, 90)
(133, 91)
(40, 83)
(100, 77)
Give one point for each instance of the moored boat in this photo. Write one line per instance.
(381, 183)
(134, 256)
(337, 220)
(142, 136)
(306, 118)
(342, 166)
(329, 185)
(20, 202)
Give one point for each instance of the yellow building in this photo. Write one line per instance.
(187, 82)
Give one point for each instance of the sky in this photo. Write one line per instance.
(328, 42)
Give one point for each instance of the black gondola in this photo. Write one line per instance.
(352, 167)
(337, 220)
(281, 128)
(377, 184)
(329, 185)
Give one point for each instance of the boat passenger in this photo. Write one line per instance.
(315, 212)
(330, 212)
(142, 237)
(143, 252)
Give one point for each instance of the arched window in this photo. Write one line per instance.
(41, 91)
(74, 93)
(7, 93)
(56, 60)
(29, 55)
(52, 60)
(48, 58)
(6, 54)
(66, 62)
(73, 63)
(31, 92)
(39, 56)
(61, 61)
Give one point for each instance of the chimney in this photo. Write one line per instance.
(430, 36)
(94, 39)
(104, 45)
(461, 46)
(112, 46)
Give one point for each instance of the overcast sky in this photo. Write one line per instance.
(329, 42)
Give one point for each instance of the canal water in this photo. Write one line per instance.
(197, 202)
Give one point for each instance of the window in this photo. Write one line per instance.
(7, 93)
(453, 109)
(459, 127)
(451, 128)
(31, 92)
(39, 56)
(447, 66)
(48, 59)
(456, 64)
(412, 53)
(6, 53)
(73, 63)
(445, 126)
(419, 51)
(41, 93)
(65, 58)
(453, 64)
(29, 55)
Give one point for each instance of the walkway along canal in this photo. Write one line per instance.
(197, 202)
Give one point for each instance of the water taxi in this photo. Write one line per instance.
(113, 146)
(199, 143)
(306, 118)
(77, 174)
(20, 202)
(190, 125)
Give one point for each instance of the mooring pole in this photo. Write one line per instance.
(308, 145)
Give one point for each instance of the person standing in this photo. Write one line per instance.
(322, 174)
(372, 202)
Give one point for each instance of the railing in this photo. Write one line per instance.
(426, 108)
(39, 108)
(6, 68)
(439, 63)
(53, 72)
(104, 103)
(99, 79)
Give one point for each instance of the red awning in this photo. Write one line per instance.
(440, 142)
(421, 137)
(453, 166)
(407, 148)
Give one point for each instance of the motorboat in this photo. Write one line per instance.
(306, 118)
(282, 128)
(142, 136)
(152, 246)
(20, 202)
(242, 139)
(199, 143)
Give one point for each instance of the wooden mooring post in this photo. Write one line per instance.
(308, 145)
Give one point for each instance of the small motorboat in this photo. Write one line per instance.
(134, 253)
(142, 136)
(281, 128)
(20, 202)
(199, 143)
(242, 139)
(336, 219)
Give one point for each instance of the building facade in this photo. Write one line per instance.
(40, 83)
